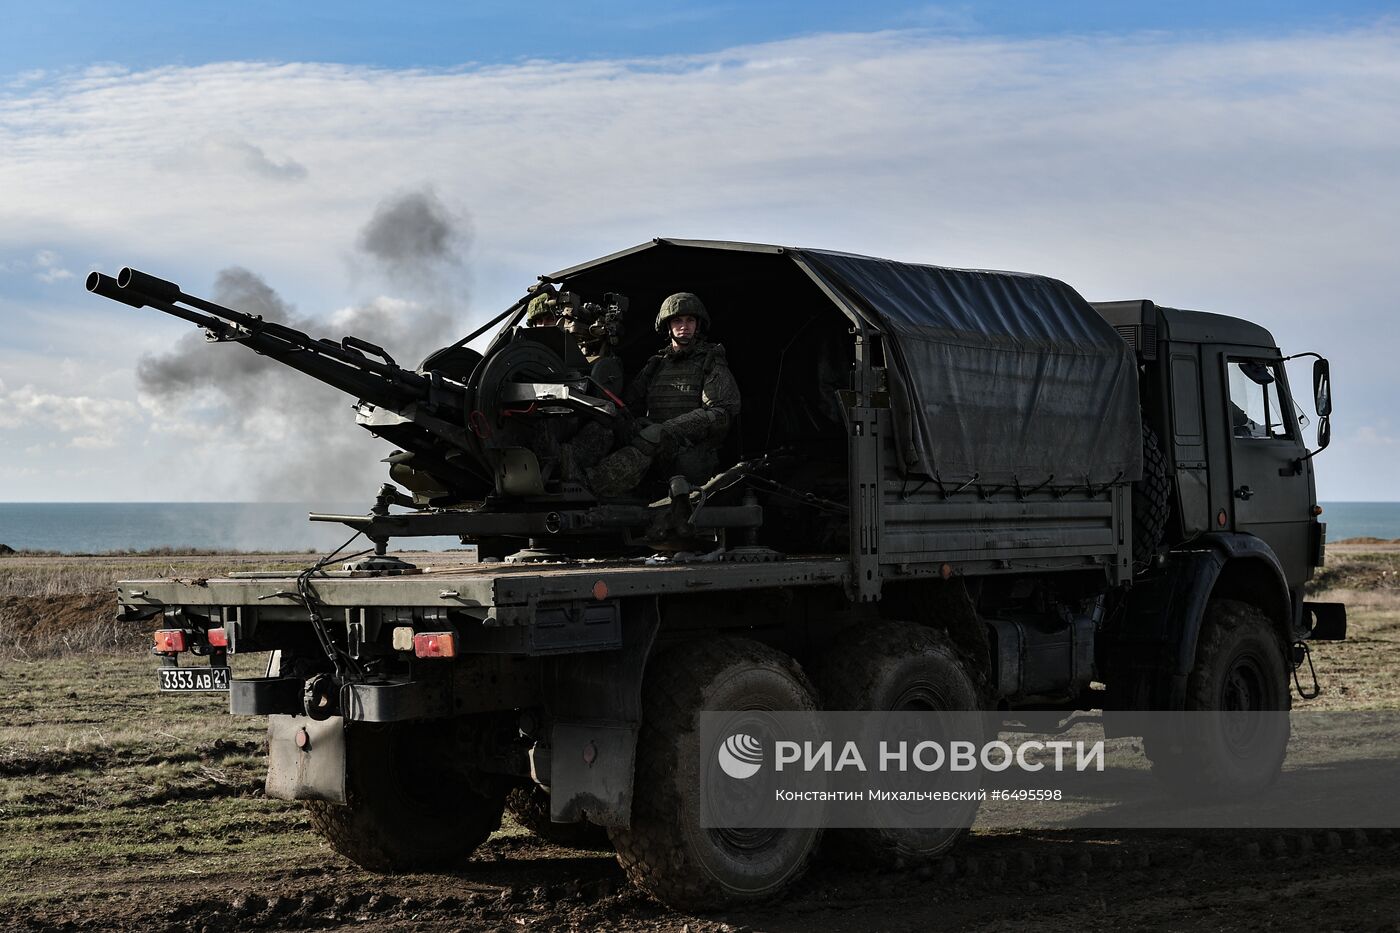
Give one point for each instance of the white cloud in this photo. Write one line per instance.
(24, 78)
(93, 442)
(226, 155)
(1371, 436)
(1254, 176)
(917, 146)
(27, 407)
(46, 266)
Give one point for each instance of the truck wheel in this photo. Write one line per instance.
(409, 806)
(528, 805)
(666, 852)
(896, 666)
(1239, 668)
(1151, 499)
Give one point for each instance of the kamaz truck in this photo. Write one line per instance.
(946, 490)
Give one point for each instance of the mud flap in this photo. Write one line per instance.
(591, 768)
(1328, 621)
(306, 758)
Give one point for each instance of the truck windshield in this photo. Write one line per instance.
(1256, 409)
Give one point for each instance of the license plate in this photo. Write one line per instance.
(190, 679)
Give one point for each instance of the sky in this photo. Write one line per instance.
(404, 176)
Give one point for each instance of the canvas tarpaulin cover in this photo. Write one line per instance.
(1005, 377)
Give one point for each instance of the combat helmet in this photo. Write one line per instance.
(682, 303)
(543, 303)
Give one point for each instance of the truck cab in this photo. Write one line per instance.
(1237, 466)
(1239, 463)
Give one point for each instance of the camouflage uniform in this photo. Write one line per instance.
(543, 303)
(594, 439)
(685, 398)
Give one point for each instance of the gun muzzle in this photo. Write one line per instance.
(106, 286)
(133, 281)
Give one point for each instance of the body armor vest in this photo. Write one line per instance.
(675, 384)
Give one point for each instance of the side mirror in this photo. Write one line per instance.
(1324, 432)
(1322, 392)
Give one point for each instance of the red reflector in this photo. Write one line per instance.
(218, 638)
(435, 644)
(170, 641)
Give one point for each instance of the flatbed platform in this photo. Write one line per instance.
(508, 589)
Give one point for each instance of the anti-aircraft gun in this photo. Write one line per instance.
(483, 438)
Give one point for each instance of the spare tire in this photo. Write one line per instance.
(1151, 500)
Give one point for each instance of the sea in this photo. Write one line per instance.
(106, 527)
(103, 527)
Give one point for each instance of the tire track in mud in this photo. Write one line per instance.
(52, 761)
(516, 881)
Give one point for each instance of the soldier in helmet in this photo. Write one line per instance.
(543, 309)
(684, 399)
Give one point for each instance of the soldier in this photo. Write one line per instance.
(543, 310)
(684, 398)
(596, 344)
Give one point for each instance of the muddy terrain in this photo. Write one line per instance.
(124, 810)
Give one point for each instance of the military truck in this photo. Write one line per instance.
(947, 489)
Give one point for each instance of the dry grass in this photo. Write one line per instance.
(63, 605)
(27, 576)
(51, 626)
(61, 580)
(1357, 570)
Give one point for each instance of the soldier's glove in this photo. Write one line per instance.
(624, 426)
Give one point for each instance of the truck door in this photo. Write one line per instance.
(1188, 439)
(1271, 490)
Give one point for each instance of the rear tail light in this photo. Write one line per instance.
(435, 644)
(218, 637)
(170, 641)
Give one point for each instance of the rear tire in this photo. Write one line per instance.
(409, 806)
(896, 666)
(528, 805)
(1240, 668)
(666, 851)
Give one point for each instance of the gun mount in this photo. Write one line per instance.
(483, 438)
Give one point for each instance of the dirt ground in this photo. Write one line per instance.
(124, 810)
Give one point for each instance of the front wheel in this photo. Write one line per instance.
(1241, 679)
(667, 852)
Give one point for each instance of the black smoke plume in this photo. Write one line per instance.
(413, 236)
(300, 435)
